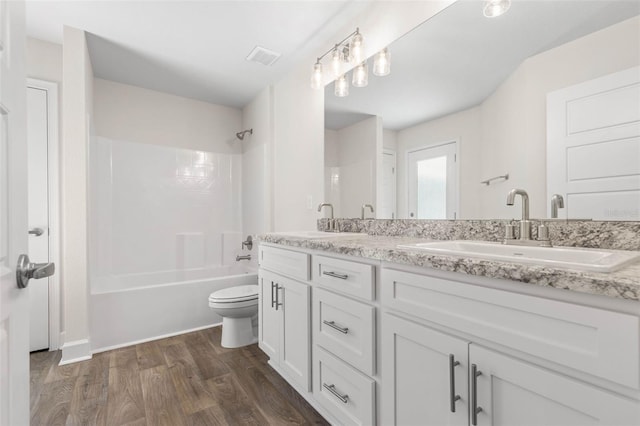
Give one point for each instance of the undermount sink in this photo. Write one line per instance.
(597, 260)
(314, 235)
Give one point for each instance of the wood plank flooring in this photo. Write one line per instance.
(182, 380)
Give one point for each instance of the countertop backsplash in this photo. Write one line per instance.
(617, 235)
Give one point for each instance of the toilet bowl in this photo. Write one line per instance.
(237, 306)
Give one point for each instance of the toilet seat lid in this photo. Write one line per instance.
(235, 294)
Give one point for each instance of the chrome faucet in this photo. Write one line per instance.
(332, 221)
(525, 224)
(557, 202)
(364, 206)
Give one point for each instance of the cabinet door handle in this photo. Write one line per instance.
(335, 275)
(474, 394)
(278, 287)
(332, 389)
(332, 324)
(273, 299)
(452, 383)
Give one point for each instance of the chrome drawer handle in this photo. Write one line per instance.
(474, 394)
(333, 325)
(332, 389)
(453, 397)
(335, 275)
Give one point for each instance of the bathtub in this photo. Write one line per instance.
(134, 308)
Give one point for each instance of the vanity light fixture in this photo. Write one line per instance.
(341, 86)
(382, 62)
(349, 50)
(360, 75)
(494, 8)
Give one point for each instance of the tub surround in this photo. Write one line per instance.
(623, 284)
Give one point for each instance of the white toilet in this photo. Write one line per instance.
(237, 306)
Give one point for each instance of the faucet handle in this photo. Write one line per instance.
(510, 231)
(543, 232)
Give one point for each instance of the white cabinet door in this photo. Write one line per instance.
(514, 392)
(295, 341)
(423, 373)
(269, 319)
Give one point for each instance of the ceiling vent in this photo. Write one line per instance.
(263, 56)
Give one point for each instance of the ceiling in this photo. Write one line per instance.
(456, 59)
(195, 49)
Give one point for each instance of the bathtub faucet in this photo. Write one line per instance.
(245, 257)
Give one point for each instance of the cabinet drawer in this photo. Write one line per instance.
(595, 341)
(352, 278)
(344, 392)
(288, 262)
(345, 328)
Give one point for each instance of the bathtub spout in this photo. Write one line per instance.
(246, 257)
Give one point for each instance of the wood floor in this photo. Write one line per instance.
(183, 380)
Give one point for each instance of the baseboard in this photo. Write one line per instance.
(151, 339)
(77, 350)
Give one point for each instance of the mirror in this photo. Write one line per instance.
(466, 102)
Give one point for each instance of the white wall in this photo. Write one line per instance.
(256, 174)
(77, 109)
(390, 139)
(44, 60)
(507, 132)
(130, 113)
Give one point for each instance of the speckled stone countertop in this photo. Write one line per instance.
(623, 284)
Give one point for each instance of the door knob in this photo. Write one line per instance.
(27, 270)
(36, 231)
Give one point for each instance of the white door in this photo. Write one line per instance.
(295, 342)
(425, 375)
(593, 147)
(514, 392)
(14, 319)
(387, 204)
(432, 182)
(37, 154)
(268, 317)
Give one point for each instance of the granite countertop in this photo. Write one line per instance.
(623, 284)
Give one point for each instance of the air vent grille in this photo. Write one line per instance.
(263, 56)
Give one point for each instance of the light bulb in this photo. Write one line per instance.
(341, 86)
(336, 62)
(494, 8)
(316, 76)
(382, 62)
(356, 49)
(360, 75)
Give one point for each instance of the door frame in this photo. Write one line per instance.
(53, 171)
(392, 152)
(456, 200)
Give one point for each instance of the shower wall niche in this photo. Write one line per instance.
(156, 208)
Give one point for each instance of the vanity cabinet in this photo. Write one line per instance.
(563, 345)
(284, 318)
(425, 375)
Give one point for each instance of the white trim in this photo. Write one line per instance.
(54, 202)
(151, 339)
(75, 351)
(394, 154)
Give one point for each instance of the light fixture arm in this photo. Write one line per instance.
(321, 57)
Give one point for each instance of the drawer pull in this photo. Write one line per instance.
(278, 303)
(273, 298)
(474, 394)
(332, 389)
(332, 324)
(452, 383)
(335, 275)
